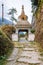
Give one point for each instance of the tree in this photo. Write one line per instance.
(34, 2)
(12, 12)
(34, 5)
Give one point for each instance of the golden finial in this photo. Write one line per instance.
(22, 8)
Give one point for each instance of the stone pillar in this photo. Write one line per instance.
(17, 34)
(29, 32)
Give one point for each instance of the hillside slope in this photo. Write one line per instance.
(39, 27)
(5, 21)
(5, 44)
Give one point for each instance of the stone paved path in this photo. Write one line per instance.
(12, 59)
(29, 55)
(23, 40)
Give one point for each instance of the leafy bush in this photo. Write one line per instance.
(8, 29)
(32, 31)
(5, 44)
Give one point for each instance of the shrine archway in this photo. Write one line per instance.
(23, 34)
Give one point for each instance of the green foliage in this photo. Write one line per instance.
(12, 12)
(5, 45)
(34, 2)
(35, 5)
(32, 31)
(8, 29)
(2, 60)
(21, 35)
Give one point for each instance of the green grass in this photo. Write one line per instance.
(2, 60)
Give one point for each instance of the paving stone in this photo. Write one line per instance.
(10, 59)
(32, 53)
(27, 52)
(19, 63)
(10, 63)
(27, 55)
(35, 55)
(34, 62)
(24, 57)
(28, 49)
(41, 63)
(40, 58)
(29, 61)
(13, 55)
(23, 60)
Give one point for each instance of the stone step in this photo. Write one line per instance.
(25, 54)
(10, 59)
(35, 55)
(13, 55)
(28, 49)
(19, 63)
(29, 61)
(25, 57)
(29, 53)
(41, 58)
(28, 46)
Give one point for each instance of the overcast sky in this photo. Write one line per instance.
(18, 5)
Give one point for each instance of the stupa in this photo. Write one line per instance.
(23, 24)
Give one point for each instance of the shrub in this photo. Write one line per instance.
(8, 29)
(32, 31)
(5, 44)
